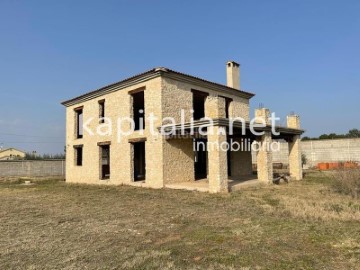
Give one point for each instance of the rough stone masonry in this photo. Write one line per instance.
(141, 158)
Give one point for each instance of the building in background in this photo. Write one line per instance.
(11, 154)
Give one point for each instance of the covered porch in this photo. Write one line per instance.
(223, 170)
(202, 185)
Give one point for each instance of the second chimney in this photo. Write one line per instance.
(233, 75)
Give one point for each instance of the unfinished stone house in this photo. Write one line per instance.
(142, 159)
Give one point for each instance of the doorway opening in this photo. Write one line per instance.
(200, 158)
(199, 104)
(139, 110)
(139, 161)
(104, 162)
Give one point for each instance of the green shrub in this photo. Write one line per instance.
(303, 159)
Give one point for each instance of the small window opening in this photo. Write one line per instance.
(199, 104)
(79, 123)
(101, 111)
(227, 106)
(78, 155)
(139, 110)
(139, 161)
(104, 162)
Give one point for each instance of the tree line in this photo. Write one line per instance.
(33, 156)
(353, 133)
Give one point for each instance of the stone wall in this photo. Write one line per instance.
(32, 168)
(167, 161)
(177, 95)
(118, 104)
(240, 163)
(178, 161)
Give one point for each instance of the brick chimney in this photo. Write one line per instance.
(233, 75)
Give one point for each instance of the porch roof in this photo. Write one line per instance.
(238, 128)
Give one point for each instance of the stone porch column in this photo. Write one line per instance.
(215, 107)
(264, 114)
(295, 163)
(217, 159)
(217, 154)
(264, 159)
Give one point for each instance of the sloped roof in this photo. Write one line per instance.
(11, 148)
(152, 73)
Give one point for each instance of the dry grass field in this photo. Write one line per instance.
(301, 225)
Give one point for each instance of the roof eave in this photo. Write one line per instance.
(153, 73)
(226, 122)
(208, 84)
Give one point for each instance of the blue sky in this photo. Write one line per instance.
(300, 56)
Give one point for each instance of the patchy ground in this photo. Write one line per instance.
(302, 225)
